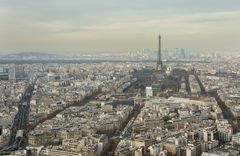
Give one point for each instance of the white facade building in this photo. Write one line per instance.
(149, 91)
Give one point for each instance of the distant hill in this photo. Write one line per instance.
(37, 54)
(32, 55)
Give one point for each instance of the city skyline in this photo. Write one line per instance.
(114, 26)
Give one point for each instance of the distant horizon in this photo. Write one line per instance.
(104, 53)
(60, 26)
(122, 52)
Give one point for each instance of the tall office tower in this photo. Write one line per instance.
(19, 71)
(11, 73)
(159, 57)
(1, 69)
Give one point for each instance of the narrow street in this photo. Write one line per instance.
(126, 126)
(18, 138)
(227, 114)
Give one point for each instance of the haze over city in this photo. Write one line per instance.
(78, 26)
(119, 78)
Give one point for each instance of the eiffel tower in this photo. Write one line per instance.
(159, 56)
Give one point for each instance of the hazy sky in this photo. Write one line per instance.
(118, 25)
